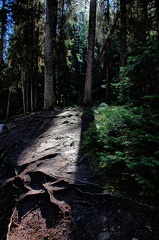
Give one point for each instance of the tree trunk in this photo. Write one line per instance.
(32, 73)
(23, 90)
(108, 57)
(157, 29)
(90, 59)
(36, 70)
(1, 55)
(32, 94)
(123, 33)
(28, 91)
(144, 33)
(2, 33)
(157, 16)
(54, 32)
(108, 71)
(8, 104)
(145, 19)
(48, 82)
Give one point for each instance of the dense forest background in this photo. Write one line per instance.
(105, 52)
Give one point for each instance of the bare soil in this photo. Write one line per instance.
(47, 191)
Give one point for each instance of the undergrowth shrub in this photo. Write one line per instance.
(124, 142)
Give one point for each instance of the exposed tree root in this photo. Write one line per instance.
(85, 203)
(65, 208)
(31, 193)
(45, 200)
(10, 224)
(48, 189)
(115, 196)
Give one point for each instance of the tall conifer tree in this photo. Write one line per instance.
(90, 58)
(48, 82)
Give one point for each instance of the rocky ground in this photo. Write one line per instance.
(47, 192)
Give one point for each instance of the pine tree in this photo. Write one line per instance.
(90, 58)
(49, 73)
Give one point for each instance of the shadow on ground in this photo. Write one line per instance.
(47, 191)
(18, 136)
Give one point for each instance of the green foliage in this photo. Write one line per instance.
(127, 143)
(140, 75)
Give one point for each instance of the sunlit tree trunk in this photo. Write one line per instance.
(48, 81)
(87, 100)
(54, 32)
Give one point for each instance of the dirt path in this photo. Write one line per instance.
(48, 193)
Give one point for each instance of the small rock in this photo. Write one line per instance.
(104, 236)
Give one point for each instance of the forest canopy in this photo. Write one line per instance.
(125, 52)
(125, 56)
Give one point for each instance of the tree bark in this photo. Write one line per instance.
(48, 82)
(144, 33)
(108, 57)
(123, 33)
(54, 33)
(8, 104)
(32, 73)
(1, 58)
(157, 16)
(2, 33)
(23, 90)
(90, 59)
